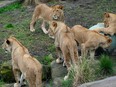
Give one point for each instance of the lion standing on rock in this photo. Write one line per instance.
(23, 62)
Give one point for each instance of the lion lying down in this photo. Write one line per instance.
(64, 43)
(23, 62)
(47, 14)
(110, 24)
(89, 40)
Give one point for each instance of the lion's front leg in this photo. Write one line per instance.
(43, 27)
(17, 77)
(83, 51)
(92, 54)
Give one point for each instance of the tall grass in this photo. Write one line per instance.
(85, 71)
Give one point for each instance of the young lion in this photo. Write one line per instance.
(110, 24)
(89, 40)
(22, 61)
(64, 43)
(47, 14)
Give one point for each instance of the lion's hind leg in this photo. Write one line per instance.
(67, 62)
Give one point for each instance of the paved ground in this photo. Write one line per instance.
(6, 2)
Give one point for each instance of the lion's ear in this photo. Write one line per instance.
(54, 24)
(60, 7)
(109, 40)
(8, 42)
(106, 15)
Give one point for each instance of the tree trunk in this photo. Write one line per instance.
(31, 2)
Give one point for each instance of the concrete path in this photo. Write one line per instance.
(108, 82)
(6, 2)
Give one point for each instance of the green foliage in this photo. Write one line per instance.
(9, 26)
(67, 83)
(47, 60)
(106, 65)
(10, 7)
(6, 73)
(85, 71)
(1, 82)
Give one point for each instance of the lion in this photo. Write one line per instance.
(47, 14)
(23, 62)
(110, 24)
(89, 40)
(64, 43)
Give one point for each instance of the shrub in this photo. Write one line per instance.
(106, 65)
(85, 71)
(9, 26)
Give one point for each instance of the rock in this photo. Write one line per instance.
(57, 70)
(57, 82)
(108, 82)
(7, 85)
(6, 73)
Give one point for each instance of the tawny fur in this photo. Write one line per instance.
(23, 62)
(89, 40)
(47, 14)
(64, 42)
(110, 24)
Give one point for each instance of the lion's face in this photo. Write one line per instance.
(58, 13)
(6, 45)
(106, 43)
(52, 28)
(109, 18)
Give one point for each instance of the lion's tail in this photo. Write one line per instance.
(39, 78)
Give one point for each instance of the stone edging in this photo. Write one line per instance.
(108, 82)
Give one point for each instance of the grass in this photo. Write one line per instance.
(106, 65)
(1, 83)
(10, 7)
(85, 71)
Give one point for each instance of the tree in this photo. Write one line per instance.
(31, 2)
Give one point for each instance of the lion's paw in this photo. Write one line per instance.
(65, 78)
(59, 60)
(16, 85)
(32, 30)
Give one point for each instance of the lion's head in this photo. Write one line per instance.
(109, 18)
(7, 45)
(51, 30)
(58, 13)
(106, 42)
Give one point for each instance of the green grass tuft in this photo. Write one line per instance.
(9, 26)
(106, 65)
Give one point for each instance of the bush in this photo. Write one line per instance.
(85, 71)
(106, 65)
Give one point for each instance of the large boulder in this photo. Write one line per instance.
(57, 72)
